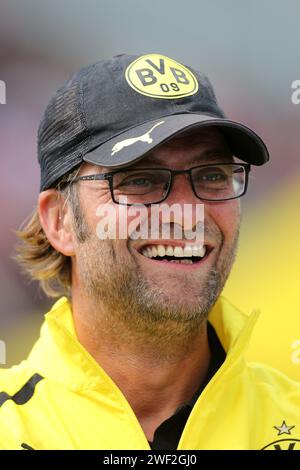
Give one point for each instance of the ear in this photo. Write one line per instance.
(55, 218)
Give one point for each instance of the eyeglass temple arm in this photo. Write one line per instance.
(99, 176)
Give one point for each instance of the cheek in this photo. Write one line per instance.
(113, 222)
(95, 206)
(120, 222)
(226, 216)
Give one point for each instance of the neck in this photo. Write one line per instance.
(157, 368)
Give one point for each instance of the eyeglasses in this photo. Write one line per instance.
(146, 186)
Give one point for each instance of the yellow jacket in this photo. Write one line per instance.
(60, 398)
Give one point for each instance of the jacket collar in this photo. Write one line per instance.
(59, 356)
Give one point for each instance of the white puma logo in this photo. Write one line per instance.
(143, 138)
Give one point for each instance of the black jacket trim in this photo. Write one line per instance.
(26, 446)
(24, 394)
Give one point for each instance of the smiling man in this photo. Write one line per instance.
(141, 352)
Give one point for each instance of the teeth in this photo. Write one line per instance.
(154, 252)
(161, 250)
(201, 251)
(181, 261)
(188, 251)
(195, 250)
(169, 251)
(178, 252)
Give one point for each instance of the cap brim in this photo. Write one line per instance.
(134, 143)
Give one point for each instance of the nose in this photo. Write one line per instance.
(188, 210)
(181, 191)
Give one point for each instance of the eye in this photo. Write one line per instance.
(214, 177)
(138, 181)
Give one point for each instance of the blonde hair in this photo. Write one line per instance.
(36, 255)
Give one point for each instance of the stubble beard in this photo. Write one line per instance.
(130, 309)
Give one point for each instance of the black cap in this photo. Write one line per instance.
(115, 111)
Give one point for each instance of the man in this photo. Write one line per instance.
(142, 352)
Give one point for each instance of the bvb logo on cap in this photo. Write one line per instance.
(158, 76)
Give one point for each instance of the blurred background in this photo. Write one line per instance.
(249, 50)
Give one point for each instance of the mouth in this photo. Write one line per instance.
(185, 254)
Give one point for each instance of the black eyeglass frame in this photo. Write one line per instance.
(109, 177)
